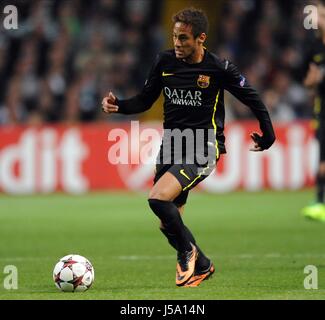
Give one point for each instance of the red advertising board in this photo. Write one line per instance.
(77, 159)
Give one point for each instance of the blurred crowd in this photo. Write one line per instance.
(65, 54)
(267, 40)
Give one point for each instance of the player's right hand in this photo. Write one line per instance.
(108, 104)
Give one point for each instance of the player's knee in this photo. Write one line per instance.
(158, 207)
(160, 194)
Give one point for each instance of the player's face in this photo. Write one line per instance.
(185, 44)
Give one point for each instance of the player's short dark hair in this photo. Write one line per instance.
(322, 2)
(196, 18)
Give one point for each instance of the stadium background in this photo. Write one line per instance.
(66, 55)
(54, 70)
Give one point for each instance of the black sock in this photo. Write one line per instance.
(168, 213)
(202, 262)
(320, 181)
(170, 237)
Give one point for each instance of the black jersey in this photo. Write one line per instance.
(316, 54)
(194, 94)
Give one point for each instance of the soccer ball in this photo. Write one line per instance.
(73, 273)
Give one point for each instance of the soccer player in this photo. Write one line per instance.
(193, 81)
(315, 80)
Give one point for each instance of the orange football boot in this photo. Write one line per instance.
(198, 277)
(185, 266)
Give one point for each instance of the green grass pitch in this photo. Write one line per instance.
(259, 243)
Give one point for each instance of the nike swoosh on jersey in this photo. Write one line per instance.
(165, 74)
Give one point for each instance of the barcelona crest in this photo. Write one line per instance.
(203, 81)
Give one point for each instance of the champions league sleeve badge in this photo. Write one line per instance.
(242, 81)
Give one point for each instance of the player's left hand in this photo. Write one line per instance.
(255, 137)
(260, 142)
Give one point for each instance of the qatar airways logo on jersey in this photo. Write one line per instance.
(184, 97)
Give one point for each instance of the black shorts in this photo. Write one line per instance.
(188, 175)
(190, 164)
(321, 139)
